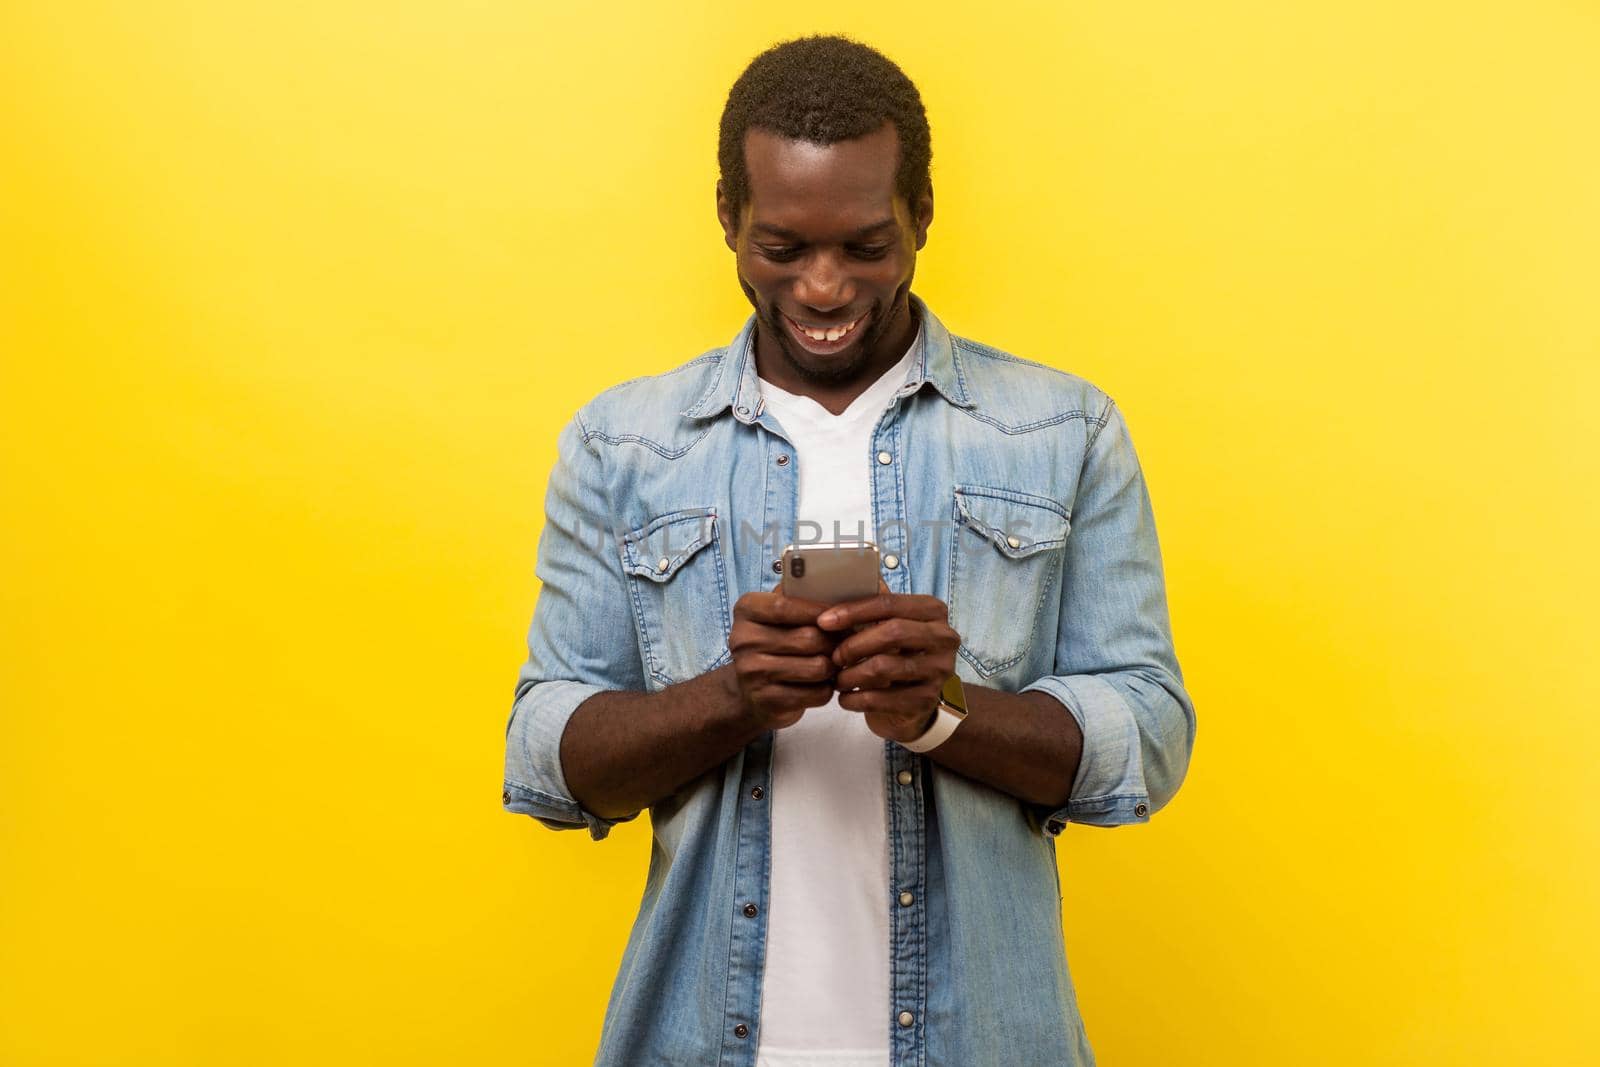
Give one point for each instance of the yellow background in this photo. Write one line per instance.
(294, 298)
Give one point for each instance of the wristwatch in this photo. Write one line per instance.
(952, 712)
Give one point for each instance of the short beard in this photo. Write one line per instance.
(882, 322)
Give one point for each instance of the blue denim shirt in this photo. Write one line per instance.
(1006, 488)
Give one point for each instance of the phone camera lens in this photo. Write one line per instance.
(797, 567)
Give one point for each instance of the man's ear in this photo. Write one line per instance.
(924, 215)
(730, 225)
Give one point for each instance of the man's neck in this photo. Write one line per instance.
(772, 366)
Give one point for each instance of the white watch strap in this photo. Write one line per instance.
(944, 724)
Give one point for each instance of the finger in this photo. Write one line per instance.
(883, 606)
(907, 701)
(774, 609)
(808, 605)
(765, 667)
(896, 635)
(748, 635)
(775, 695)
(886, 671)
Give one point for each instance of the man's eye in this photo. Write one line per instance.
(871, 251)
(781, 255)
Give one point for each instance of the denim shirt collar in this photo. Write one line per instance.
(735, 384)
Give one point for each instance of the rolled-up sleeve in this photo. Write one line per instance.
(582, 639)
(1116, 670)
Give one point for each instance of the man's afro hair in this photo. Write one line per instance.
(824, 89)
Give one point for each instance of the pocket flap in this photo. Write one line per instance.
(1018, 524)
(657, 549)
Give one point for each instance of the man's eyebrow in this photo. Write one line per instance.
(790, 235)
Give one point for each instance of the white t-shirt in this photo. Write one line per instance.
(825, 993)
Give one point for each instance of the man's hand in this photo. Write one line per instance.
(893, 668)
(781, 659)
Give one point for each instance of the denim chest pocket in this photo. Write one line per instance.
(1005, 560)
(679, 593)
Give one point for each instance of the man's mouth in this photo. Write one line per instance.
(823, 340)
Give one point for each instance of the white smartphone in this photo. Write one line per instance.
(831, 574)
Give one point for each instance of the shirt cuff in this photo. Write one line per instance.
(534, 782)
(1108, 789)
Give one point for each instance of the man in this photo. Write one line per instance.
(846, 871)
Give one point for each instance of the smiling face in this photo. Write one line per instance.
(826, 249)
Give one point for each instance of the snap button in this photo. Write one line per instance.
(777, 566)
(906, 900)
(757, 793)
(1141, 810)
(904, 777)
(750, 911)
(906, 1018)
(1014, 542)
(662, 564)
(741, 1030)
(884, 457)
(741, 409)
(891, 561)
(1055, 827)
(783, 460)
(505, 797)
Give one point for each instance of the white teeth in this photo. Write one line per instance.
(827, 335)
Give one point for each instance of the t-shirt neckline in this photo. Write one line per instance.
(873, 398)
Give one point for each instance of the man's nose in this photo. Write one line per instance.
(823, 284)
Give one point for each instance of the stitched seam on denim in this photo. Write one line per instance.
(1028, 427)
(696, 361)
(722, 588)
(638, 439)
(997, 536)
(527, 752)
(723, 355)
(963, 516)
(639, 565)
(978, 348)
(658, 669)
(766, 881)
(1100, 424)
(640, 624)
(527, 760)
(727, 972)
(899, 486)
(898, 917)
(895, 923)
(1057, 574)
(1013, 496)
(971, 657)
(1113, 798)
(539, 796)
(922, 927)
(722, 593)
(705, 394)
(639, 621)
(994, 537)
(961, 377)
